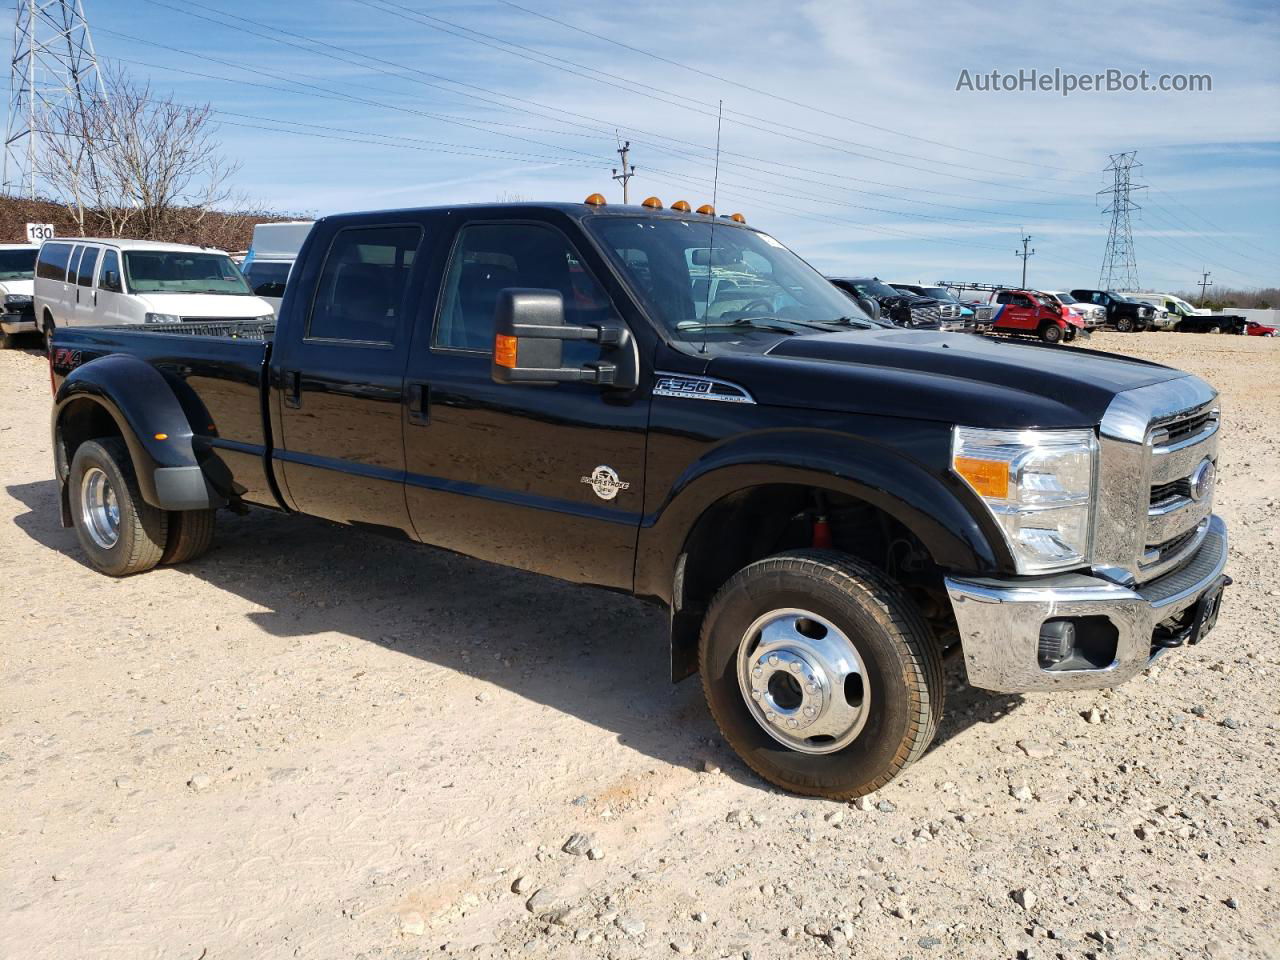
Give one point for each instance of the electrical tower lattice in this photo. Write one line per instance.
(1120, 262)
(54, 67)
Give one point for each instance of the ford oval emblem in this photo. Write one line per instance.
(1202, 481)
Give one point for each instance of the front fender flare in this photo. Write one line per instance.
(153, 424)
(930, 505)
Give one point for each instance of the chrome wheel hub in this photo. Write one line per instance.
(99, 508)
(803, 681)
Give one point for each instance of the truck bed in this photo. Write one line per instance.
(217, 370)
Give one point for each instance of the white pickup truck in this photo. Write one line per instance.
(17, 268)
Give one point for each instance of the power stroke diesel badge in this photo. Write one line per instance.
(604, 481)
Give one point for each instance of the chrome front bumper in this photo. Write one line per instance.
(1000, 620)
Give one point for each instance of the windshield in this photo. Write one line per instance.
(940, 293)
(689, 284)
(1064, 298)
(874, 288)
(1182, 305)
(17, 264)
(1045, 300)
(183, 271)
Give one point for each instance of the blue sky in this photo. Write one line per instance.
(843, 132)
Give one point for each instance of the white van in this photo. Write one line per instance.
(92, 282)
(270, 258)
(17, 265)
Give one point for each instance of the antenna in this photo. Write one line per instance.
(711, 238)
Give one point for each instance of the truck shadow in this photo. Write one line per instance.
(597, 655)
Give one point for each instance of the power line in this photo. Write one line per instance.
(779, 97)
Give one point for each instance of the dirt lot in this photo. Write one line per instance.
(313, 743)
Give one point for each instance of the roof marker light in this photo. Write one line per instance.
(595, 200)
(682, 206)
(737, 218)
(653, 203)
(707, 210)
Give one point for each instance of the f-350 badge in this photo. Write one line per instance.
(604, 481)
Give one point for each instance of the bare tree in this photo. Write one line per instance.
(136, 162)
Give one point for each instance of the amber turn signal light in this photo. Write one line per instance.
(504, 351)
(595, 200)
(653, 203)
(990, 478)
(682, 206)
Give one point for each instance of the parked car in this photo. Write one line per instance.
(17, 267)
(270, 257)
(823, 503)
(904, 309)
(1123, 314)
(1091, 316)
(1255, 329)
(87, 282)
(967, 312)
(1028, 313)
(1184, 318)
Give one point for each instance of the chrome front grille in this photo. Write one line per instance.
(924, 315)
(1150, 517)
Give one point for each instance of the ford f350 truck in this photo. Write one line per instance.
(825, 504)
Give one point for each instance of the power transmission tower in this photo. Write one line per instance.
(1120, 262)
(1024, 254)
(1205, 283)
(54, 67)
(627, 171)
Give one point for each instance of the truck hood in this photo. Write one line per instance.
(949, 377)
(206, 305)
(23, 288)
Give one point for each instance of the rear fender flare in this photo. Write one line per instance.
(152, 422)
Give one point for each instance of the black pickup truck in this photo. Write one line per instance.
(1123, 314)
(825, 504)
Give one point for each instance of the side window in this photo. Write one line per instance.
(267, 277)
(1020, 300)
(361, 290)
(1004, 297)
(87, 262)
(110, 277)
(488, 258)
(52, 264)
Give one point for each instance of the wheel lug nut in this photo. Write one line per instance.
(792, 724)
(756, 694)
(813, 687)
(795, 667)
(773, 659)
(810, 712)
(757, 672)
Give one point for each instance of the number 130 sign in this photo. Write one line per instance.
(39, 231)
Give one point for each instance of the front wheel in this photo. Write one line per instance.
(1124, 325)
(121, 532)
(821, 673)
(47, 333)
(1051, 333)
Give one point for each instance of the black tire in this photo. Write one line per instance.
(903, 669)
(1051, 333)
(190, 535)
(47, 331)
(1124, 325)
(142, 530)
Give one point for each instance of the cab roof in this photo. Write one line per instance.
(124, 244)
(577, 211)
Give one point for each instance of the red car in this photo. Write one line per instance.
(1031, 314)
(1255, 329)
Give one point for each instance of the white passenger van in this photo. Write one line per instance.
(92, 282)
(270, 258)
(17, 263)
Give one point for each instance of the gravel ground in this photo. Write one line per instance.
(313, 743)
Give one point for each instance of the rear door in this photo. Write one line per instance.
(86, 295)
(548, 478)
(341, 373)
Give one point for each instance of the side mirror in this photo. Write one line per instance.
(528, 344)
(111, 280)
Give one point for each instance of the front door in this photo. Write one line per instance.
(110, 289)
(1016, 312)
(549, 478)
(341, 377)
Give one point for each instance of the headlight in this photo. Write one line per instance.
(1038, 485)
(16, 300)
(162, 318)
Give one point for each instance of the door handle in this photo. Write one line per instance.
(293, 388)
(419, 395)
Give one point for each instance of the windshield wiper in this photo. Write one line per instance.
(755, 323)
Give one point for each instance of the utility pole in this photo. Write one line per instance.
(627, 171)
(1205, 283)
(1120, 262)
(1024, 253)
(54, 66)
